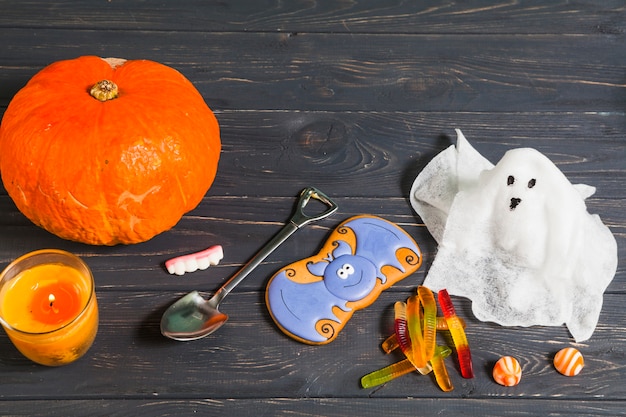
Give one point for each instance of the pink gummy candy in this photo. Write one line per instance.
(195, 261)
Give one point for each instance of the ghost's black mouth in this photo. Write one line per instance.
(515, 202)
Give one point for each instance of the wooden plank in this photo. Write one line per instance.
(379, 154)
(242, 231)
(353, 72)
(250, 358)
(431, 16)
(314, 407)
(343, 152)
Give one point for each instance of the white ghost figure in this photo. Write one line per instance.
(515, 238)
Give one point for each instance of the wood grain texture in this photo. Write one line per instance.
(251, 355)
(369, 407)
(357, 72)
(370, 16)
(354, 98)
(379, 154)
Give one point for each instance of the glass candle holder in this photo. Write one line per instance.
(48, 306)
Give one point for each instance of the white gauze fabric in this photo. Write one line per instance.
(515, 238)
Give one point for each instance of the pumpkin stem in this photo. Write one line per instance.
(104, 90)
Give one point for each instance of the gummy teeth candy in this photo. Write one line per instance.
(194, 261)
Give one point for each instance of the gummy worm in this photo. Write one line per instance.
(391, 343)
(458, 334)
(402, 336)
(399, 309)
(414, 324)
(427, 299)
(439, 368)
(386, 374)
(398, 369)
(195, 261)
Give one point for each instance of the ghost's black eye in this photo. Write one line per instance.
(532, 183)
(510, 180)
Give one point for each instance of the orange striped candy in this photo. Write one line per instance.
(507, 371)
(569, 361)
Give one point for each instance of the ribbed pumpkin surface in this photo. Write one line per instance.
(107, 172)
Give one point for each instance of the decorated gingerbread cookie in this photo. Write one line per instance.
(311, 300)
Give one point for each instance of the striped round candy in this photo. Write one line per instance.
(507, 371)
(569, 361)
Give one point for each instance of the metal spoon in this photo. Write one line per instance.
(192, 317)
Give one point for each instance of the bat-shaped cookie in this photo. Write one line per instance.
(312, 299)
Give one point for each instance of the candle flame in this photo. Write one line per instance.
(51, 299)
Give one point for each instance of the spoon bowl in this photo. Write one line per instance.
(192, 317)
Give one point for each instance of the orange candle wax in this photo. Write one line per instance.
(48, 306)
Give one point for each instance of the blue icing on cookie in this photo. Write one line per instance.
(347, 274)
(350, 277)
(298, 307)
(378, 241)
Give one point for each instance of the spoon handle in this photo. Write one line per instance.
(298, 219)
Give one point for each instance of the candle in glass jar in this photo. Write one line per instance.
(48, 306)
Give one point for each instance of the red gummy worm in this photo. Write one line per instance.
(400, 325)
(459, 338)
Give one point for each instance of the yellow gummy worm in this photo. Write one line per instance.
(427, 300)
(387, 374)
(414, 323)
(439, 368)
(402, 335)
(404, 367)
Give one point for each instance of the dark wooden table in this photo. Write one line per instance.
(353, 98)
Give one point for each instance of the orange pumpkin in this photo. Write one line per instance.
(108, 151)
